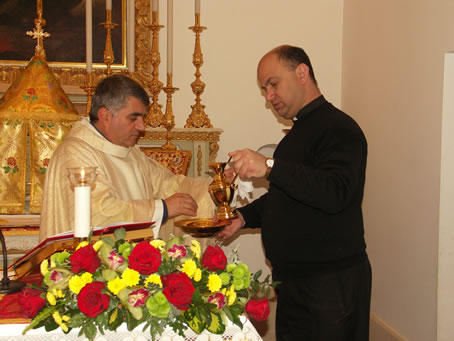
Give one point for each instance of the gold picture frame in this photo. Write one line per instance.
(72, 75)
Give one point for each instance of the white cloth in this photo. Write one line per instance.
(13, 332)
(244, 191)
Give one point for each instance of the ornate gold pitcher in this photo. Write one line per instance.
(221, 192)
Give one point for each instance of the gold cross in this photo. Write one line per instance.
(38, 33)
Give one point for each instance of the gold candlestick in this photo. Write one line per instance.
(89, 88)
(155, 117)
(108, 51)
(169, 121)
(198, 118)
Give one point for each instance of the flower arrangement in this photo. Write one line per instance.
(154, 284)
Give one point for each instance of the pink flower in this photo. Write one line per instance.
(218, 299)
(56, 276)
(177, 251)
(115, 260)
(138, 297)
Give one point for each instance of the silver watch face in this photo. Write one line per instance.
(269, 163)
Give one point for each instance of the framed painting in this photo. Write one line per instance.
(66, 22)
(65, 48)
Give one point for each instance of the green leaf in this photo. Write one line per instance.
(108, 240)
(193, 322)
(257, 275)
(43, 315)
(89, 330)
(76, 320)
(120, 233)
(216, 326)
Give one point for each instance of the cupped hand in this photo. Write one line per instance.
(181, 204)
(228, 231)
(248, 163)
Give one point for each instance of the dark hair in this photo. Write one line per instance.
(293, 56)
(113, 92)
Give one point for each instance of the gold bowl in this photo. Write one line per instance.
(201, 227)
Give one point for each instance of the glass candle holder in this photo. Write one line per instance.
(81, 179)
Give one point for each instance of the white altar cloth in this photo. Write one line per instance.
(13, 332)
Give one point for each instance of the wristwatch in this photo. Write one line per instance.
(269, 165)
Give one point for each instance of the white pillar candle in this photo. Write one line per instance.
(169, 36)
(88, 35)
(197, 6)
(109, 4)
(155, 6)
(82, 211)
(131, 36)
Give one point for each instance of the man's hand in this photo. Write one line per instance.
(248, 164)
(229, 174)
(181, 204)
(230, 230)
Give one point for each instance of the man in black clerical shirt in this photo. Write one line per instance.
(311, 216)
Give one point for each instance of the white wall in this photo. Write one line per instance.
(445, 311)
(238, 34)
(393, 59)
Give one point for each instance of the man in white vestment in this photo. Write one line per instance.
(129, 187)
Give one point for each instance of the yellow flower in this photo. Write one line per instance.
(51, 298)
(195, 248)
(232, 298)
(214, 282)
(116, 285)
(158, 243)
(87, 277)
(58, 293)
(81, 244)
(153, 279)
(197, 275)
(57, 317)
(76, 283)
(189, 267)
(231, 294)
(97, 245)
(44, 267)
(130, 277)
(59, 320)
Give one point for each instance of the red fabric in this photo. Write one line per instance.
(10, 306)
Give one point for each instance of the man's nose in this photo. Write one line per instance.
(269, 95)
(140, 124)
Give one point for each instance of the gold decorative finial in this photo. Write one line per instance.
(155, 117)
(38, 32)
(198, 118)
(108, 51)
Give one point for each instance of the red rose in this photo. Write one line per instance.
(145, 258)
(91, 301)
(46, 162)
(214, 258)
(85, 259)
(178, 289)
(31, 302)
(31, 91)
(11, 161)
(258, 310)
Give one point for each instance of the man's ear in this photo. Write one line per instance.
(302, 73)
(103, 114)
